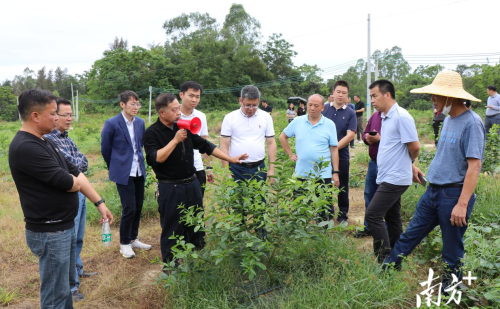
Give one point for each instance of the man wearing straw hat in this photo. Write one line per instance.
(452, 176)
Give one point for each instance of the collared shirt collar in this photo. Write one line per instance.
(59, 133)
(321, 120)
(391, 111)
(244, 115)
(126, 120)
(332, 105)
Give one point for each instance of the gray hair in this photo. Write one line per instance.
(250, 92)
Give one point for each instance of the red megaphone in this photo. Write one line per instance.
(193, 125)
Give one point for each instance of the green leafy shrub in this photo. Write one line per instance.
(248, 223)
(491, 162)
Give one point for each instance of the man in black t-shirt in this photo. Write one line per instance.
(169, 151)
(359, 108)
(48, 184)
(266, 107)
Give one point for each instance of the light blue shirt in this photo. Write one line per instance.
(461, 137)
(495, 102)
(312, 143)
(393, 159)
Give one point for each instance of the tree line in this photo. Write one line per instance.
(227, 57)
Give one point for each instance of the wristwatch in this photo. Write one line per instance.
(336, 172)
(99, 202)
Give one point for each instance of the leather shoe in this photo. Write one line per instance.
(362, 233)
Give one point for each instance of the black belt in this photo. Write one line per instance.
(448, 185)
(252, 164)
(179, 181)
(492, 115)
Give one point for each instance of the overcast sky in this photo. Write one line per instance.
(326, 33)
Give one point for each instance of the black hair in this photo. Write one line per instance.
(163, 100)
(492, 88)
(63, 101)
(264, 101)
(126, 95)
(342, 83)
(34, 99)
(384, 86)
(190, 85)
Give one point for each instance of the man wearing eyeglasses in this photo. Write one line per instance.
(248, 130)
(68, 148)
(121, 148)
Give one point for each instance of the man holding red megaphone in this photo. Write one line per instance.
(169, 151)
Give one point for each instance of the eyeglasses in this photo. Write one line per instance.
(66, 116)
(251, 106)
(138, 105)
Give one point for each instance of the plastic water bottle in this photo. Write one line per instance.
(106, 233)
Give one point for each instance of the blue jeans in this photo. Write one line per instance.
(370, 185)
(132, 199)
(434, 208)
(79, 233)
(56, 263)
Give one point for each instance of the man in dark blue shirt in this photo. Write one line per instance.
(345, 122)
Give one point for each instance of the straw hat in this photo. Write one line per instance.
(448, 84)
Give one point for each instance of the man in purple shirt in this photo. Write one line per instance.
(371, 137)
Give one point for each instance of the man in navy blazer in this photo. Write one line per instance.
(121, 147)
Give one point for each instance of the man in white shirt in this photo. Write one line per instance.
(492, 109)
(249, 130)
(190, 95)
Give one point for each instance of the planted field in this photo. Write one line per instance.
(308, 267)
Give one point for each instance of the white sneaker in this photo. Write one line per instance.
(137, 244)
(126, 251)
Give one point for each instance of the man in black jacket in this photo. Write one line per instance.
(169, 151)
(48, 188)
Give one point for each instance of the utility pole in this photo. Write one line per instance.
(72, 97)
(368, 76)
(18, 108)
(77, 105)
(150, 96)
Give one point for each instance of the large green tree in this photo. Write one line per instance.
(8, 104)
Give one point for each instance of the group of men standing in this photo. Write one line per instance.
(53, 188)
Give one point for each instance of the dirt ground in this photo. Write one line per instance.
(121, 283)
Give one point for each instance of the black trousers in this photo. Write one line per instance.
(171, 196)
(132, 199)
(343, 197)
(202, 179)
(385, 204)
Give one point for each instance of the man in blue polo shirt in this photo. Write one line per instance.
(315, 138)
(398, 147)
(345, 123)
